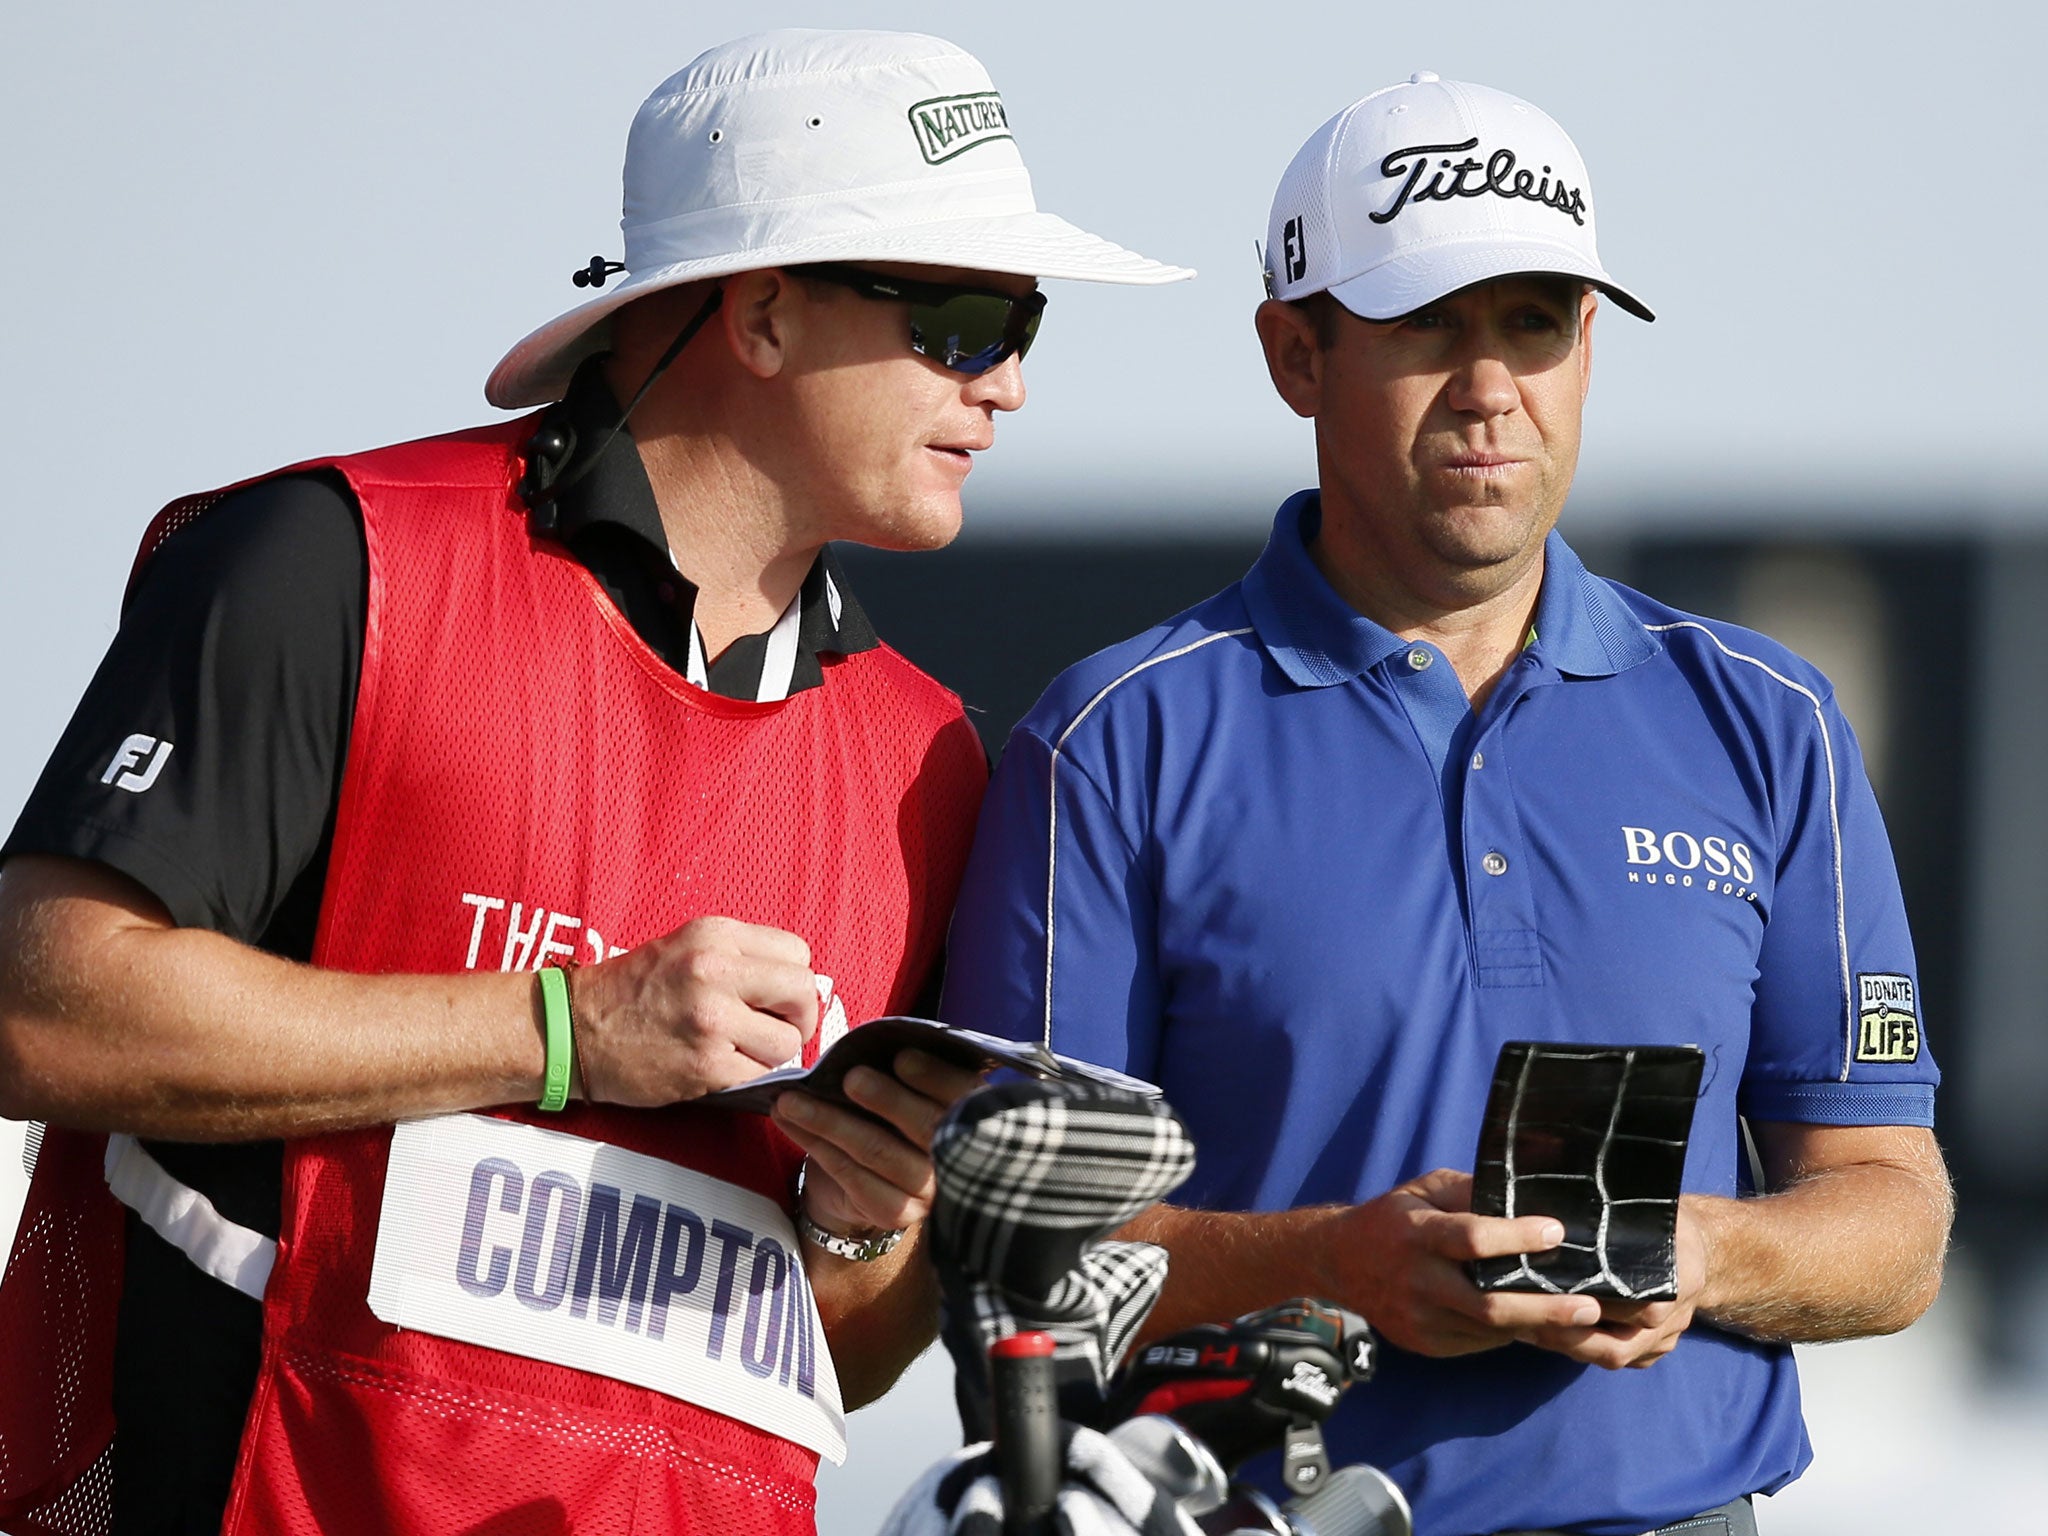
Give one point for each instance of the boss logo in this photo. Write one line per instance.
(1685, 859)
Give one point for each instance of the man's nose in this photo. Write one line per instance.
(1483, 385)
(1002, 386)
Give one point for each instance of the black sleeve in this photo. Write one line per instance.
(205, 759)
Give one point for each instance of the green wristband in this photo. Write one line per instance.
(561, 1039)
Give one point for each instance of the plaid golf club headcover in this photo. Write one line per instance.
(1031, 1175)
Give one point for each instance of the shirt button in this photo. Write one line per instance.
(1419, 660)
(1495, 862)
(1478, 760)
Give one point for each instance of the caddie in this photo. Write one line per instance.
(445, 819)
(1418, 785)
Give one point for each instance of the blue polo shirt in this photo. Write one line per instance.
(1266, 856)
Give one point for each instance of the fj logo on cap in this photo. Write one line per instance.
(1887, 1023)
(1293, 252)
(947, 126)
(1472, 178)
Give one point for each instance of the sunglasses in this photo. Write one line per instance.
(966, 330)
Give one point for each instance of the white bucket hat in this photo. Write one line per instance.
(1423, 188)
(798, 146)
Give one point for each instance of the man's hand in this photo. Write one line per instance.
(1640, 1333)
(1400, 1259)
(867, 1177)
(1848, 1244)
(714, 1003)
(864, 1175)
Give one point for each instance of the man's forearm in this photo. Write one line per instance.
(1838, 1252)
(878, 1316)
(1398, 1259)
(126, 1023)
(1228, 1263)
(111, 1018)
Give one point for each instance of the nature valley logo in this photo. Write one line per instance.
(947, 126)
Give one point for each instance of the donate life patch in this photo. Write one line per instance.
(1887, 1018)
(558, 1248)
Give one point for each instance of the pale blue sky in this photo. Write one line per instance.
(240, 233)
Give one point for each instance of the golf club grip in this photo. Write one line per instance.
(1027, 1431)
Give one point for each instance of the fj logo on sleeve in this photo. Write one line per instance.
(136, 766)
(1887, 1023)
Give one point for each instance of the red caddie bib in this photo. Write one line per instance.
(527, 784)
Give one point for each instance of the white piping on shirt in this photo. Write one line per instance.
(1052, 821)
(693, 669)
(1834, 825)
(778, 663)
(187, 1220)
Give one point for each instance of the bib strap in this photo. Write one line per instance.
(187, 1220)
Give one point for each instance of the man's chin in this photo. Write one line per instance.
(1481, 537)
(923, 526)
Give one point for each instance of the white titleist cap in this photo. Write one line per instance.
(1423, 188)
(792, 147)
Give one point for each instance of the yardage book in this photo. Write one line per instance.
(875, 1044)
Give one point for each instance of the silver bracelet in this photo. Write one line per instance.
(861, 1250)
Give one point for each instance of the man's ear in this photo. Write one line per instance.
(1589, 306)
(760, 319)
(1294, 355)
